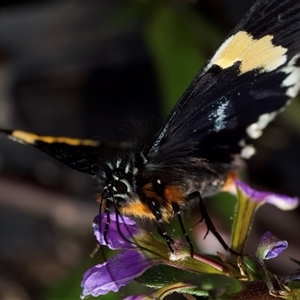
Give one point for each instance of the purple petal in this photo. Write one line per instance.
(118, 271)
(270, 246)
(292, 277)
(139, 297)
(120, 232)
(281, 201)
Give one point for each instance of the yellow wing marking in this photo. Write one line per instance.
(31, 138)
(252, 53)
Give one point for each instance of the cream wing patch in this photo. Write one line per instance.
(251, 53)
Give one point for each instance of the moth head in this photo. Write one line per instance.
(118, 183)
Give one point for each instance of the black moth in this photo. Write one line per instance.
(240, 90)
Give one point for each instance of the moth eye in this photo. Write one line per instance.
(121, 187)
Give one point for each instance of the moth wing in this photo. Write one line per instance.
(248, 80)
(84, 155)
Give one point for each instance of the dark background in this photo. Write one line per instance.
(96, 69)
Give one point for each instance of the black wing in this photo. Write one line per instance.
(83, 155)
(243, 86)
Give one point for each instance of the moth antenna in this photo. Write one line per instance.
(118, 215)
(98, 246)
(106, 228)
(95, 250)
(133, 241)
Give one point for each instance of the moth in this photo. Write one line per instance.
(242, 87)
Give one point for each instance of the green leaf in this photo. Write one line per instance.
(181, 281)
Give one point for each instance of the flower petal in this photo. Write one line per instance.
(118, 271)
(281, 201)
(249, 200)
(270, 246)
(292, 277)
(140, 297)
(120, 232)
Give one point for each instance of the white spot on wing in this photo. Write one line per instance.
(254, 131)
(292, 81)
(248, 151)
(219, 115)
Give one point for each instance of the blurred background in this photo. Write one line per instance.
(95, 69)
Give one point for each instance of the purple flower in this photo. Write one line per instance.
(281, 201)
(113, 274)
(140, 297)
(122, 268)
(139, 252)
(249, 200)
(270, 246)
(292, 277)
(116, 238)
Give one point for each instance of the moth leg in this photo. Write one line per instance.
(160, 226)
(209, 224)
(177, 210)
